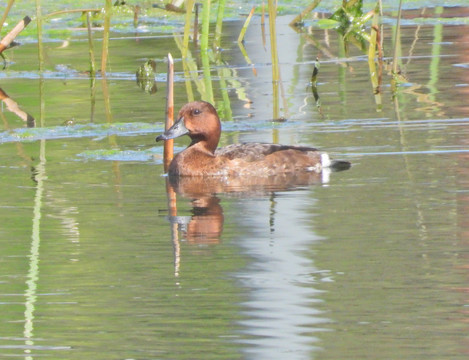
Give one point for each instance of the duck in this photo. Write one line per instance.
(200, 121)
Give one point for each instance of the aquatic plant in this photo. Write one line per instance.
(245, 25)
(396, 78)
(5, 13)
(107, 26)
(90, 45)
(146, 76)
(40, 46)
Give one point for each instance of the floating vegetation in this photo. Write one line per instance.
(146, 77)
(149, 154)
(96, 131)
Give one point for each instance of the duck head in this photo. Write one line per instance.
(199, 120)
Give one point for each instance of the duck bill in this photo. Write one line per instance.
(178, 129)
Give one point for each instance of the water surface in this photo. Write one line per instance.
(372, 262)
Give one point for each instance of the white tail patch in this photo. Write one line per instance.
(326, 168)
(325, 160)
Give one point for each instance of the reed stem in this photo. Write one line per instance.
(245, 26)
(196, 24)
(187, 27)
(40, 47)
(299, 18)
(5, 14)
(219, 25)
(8, 39)
(70, 11)
(107, 26)
(168, 151)
(396, 38)
(90, 45)
(272, 8)
(273, 39)
(205, 26)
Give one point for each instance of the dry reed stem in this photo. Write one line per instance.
(168, 149)
(8, 39)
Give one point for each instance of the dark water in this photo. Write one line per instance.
(370, 263)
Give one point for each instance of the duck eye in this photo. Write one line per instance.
(196, 112)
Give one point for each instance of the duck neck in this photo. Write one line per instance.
(208, 145)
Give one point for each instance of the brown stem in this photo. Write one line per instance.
(8, 39)
(168, 151)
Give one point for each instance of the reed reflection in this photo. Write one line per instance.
(13, 107)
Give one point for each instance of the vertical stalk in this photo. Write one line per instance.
(92, 67)
(263, 24)
(107, 26)
(90, 45)
(189, 69)
(39, 35)
(208, 91)
(342, 73)
(374, 74)
(196, 25)
(5, 14)
(273, 40)
(223, 73)
(381, 32)
(219, 25)
(187, 27)
(106, 98)
(205, 26)
(272, 7)
(245, 26)
(168, 144)
(397, 38)
(92, 98)
(436, 52)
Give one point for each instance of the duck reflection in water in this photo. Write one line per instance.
(206, 224)
(201, 170)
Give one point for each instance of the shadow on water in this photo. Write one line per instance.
(368, 263)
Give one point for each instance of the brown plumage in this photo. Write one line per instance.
(199, 120)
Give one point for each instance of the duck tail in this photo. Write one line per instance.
(334, 165)
(340, 165)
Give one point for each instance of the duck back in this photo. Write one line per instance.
(257, 151)
(261, 159)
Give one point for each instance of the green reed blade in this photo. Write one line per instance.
(245, 26)
(5, 14)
